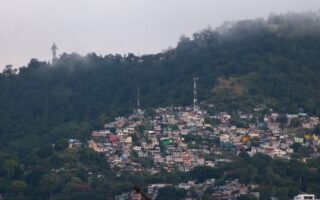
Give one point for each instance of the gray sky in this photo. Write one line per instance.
(29, 27)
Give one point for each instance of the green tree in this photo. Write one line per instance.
(247, 197)
(295, 122)
(10, 166)
(282, 119)
(50, 183)
(18, 188)
(171, 193)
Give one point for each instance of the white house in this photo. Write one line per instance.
(304, 197)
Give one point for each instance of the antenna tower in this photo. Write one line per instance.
(195, 93)
(138, 99)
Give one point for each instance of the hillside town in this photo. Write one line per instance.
(183, 138)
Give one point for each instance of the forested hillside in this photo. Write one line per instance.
(239, 65)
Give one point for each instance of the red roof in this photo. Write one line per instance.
(113, 138)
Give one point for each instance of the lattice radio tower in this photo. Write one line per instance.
(195, 93)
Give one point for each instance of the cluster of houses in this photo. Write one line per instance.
(169, 138)
(269, 136)
(160, 137)
(230, 190)
(182, 138)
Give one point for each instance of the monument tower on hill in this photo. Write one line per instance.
(54, 49)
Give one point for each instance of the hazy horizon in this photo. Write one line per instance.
(29, 28)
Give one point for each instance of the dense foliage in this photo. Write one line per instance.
(274, 62)
(83, 174)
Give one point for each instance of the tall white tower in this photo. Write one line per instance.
(54, 49)
(195, 93)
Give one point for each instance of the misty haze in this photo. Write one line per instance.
(161, 100)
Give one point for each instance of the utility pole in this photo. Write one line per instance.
(138, 99)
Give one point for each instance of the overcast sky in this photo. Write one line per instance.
(29, 27)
